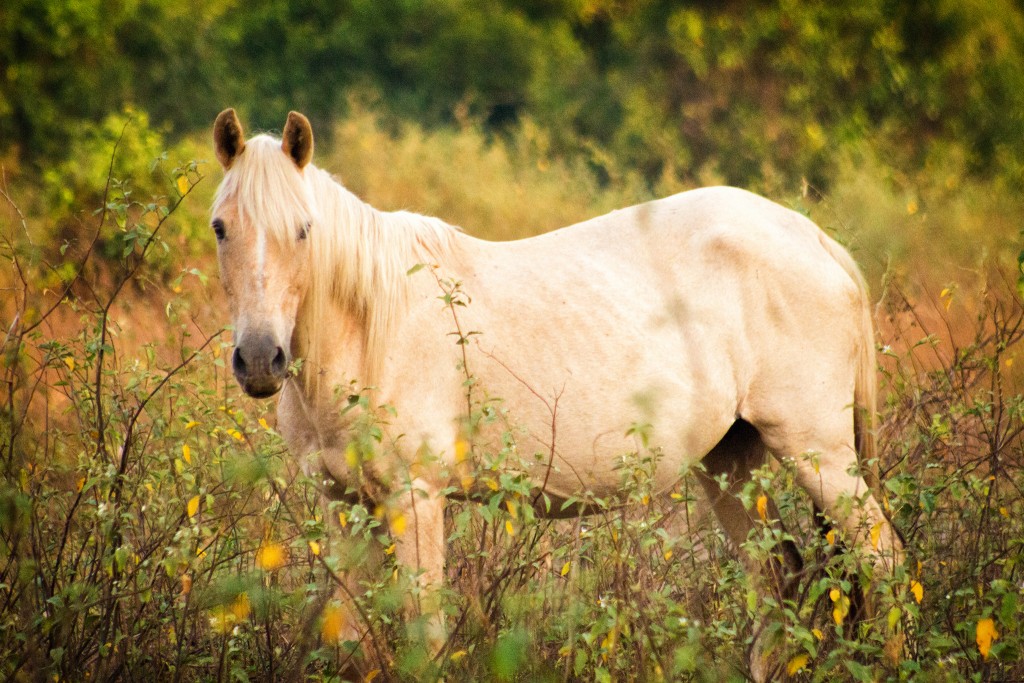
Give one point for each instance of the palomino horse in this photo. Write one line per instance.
(727, 324)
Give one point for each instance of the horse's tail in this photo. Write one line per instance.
(865, 395)
(865, 392)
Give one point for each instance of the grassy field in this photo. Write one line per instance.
(152, 524)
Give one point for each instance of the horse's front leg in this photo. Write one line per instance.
(421, 549)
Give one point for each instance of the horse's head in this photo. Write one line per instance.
(261, 216)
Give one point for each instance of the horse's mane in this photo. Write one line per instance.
(359, 256)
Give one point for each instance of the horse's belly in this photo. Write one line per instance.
(587, 437)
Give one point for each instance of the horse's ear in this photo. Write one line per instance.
(228, 138)
(297, 140)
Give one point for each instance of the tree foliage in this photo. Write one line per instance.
(748, 94)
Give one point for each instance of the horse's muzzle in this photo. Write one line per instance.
(260, 365)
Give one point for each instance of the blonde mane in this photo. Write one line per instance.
(359, 256)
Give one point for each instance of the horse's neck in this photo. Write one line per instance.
(380, 242)
(361, 286)
(329, 339)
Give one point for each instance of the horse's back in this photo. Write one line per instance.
(713, 219)
(716, 241)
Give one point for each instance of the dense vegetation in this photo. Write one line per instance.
(754, 94)
(152, 524)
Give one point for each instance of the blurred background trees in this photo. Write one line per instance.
(755, 94)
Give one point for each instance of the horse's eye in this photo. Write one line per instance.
(304, 231)
(218, 228)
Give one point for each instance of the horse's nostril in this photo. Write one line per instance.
(277, 366)
(238, 363)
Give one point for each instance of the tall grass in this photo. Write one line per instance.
(152, 524)
(931, 228)
(495, 188)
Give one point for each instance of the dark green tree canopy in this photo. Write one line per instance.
(730, 90)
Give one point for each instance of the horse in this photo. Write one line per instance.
(726, 324)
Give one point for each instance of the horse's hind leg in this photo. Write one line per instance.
(819, 439)
(740, 452)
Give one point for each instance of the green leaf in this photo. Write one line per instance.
(510, 653)
(1008, 609)
(859, 671)
(121, 558)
